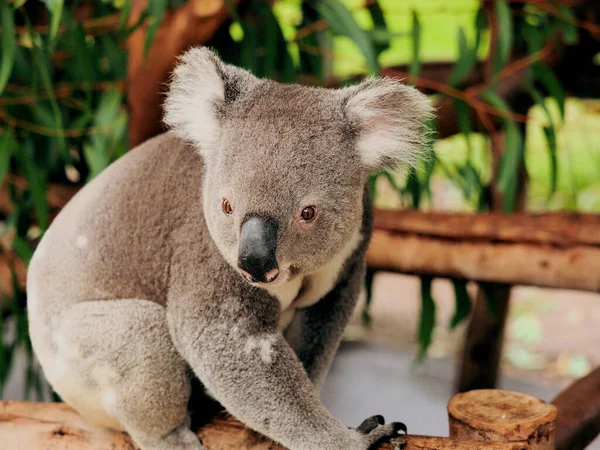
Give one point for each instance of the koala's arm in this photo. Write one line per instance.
(315, 332)
(234, 347)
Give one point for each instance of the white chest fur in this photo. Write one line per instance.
(305, 291)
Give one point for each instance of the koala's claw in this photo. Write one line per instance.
(398, 427)
(370, 424)
(383, 433)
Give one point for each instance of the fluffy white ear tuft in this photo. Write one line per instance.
(196, 89)
(390, 117)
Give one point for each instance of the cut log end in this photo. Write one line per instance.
(502, 416)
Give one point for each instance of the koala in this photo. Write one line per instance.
(228, 251)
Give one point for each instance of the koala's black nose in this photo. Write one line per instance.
(257, 249)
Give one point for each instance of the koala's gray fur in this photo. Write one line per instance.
(134, 287)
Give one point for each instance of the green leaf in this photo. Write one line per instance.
(98, 152)
(567, 24)
(83, 58)
(341, 22)
(7, 146)
(552, 85)
(512, 157)
(550, 135)
(43, 66)
(22, 249)
(380, 32)
(55, 7)
(415, 64)
(414, 187)
(466, 60)
(505, 35)
(427, 318)
(36, 183)
(268, 38)
(156, 12)
(9, 44)
(463, 117)
(462, 302)
(372, 184)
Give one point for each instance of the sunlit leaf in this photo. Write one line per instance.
(55, 7)
(427, 318)
(467, 57)
(9, 44)
(550, 135)
(156, 11)
(415, 63)
(505, 35)
(342, 22)
(462, 303)
(512, 157)
(552, 85)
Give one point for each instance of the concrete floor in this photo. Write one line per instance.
(368, 379)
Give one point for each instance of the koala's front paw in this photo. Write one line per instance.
(375, 431)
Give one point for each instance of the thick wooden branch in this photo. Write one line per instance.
(55, 426)
(192, 24)
(555, 255)
(578, 421)
(561, 229)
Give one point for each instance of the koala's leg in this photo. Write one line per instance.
(116, 364)
(237, 351)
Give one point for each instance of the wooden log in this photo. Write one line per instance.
(578, 421)
(575, 267)
(491, 415)
(55, 426)
(561, 229)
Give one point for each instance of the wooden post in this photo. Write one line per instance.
(502, 417)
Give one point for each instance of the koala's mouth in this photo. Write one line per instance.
(285, 275)
(268, 278)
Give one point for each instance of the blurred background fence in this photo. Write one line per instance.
(513, 81)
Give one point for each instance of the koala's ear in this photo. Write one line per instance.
(201, 87)
(390, 119)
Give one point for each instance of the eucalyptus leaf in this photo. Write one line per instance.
(505, 35)
(7, 146)
(342, 22)
(9, 44)
(55, 7)
(156, 11)
(567, 23)
(462, 303)
(427, 318)
(380, 34)
(415, 63)
(35, 183)
(552, 85)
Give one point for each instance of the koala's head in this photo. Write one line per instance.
(286, 165)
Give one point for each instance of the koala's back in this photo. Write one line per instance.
(112, 241)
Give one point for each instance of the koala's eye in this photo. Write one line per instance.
(308, 213)
(226, 207)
